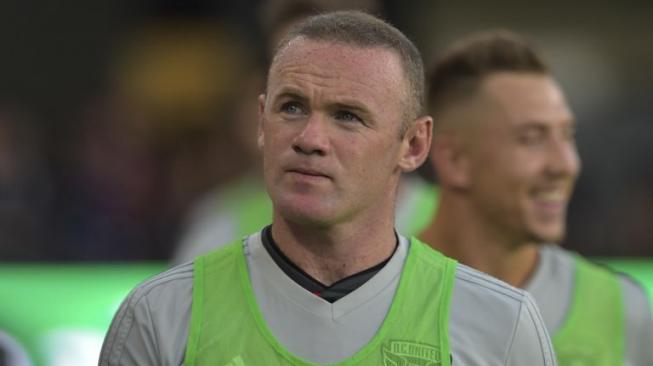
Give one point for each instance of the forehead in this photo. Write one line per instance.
(374, 70)
(526, 98)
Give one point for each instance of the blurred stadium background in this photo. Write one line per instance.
(116, 117)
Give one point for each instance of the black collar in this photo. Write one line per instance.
(331, 293)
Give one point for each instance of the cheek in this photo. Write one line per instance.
(517, 177)
(274, 138)
(378, 155)
(517, 166)
(505, 177)
(271, 151)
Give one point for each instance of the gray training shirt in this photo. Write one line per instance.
(552, 286)
(491, 323)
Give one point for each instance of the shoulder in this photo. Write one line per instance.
(635, 299)
(499, 323)
(637, 317)
(639, 322)
(637, 303)
(471, 282)
(171, 287)
(154, 316)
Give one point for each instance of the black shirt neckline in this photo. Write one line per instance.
(331, 293)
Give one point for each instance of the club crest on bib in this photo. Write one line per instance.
(405, 353)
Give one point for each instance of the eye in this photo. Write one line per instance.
(347, 116)
(292, 108)
(531, 135)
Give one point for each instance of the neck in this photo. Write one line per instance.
(460, 234)
(333, 253)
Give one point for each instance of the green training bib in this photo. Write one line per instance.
(227, 327)
(594, 332)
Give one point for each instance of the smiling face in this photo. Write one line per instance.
(329, 132)
(523, 161)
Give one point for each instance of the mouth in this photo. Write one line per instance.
(551, 196)
(308, 173)
(551, 202)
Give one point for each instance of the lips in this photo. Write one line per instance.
(551, 193)
(553, 197)
(308, 172)
(551, 202)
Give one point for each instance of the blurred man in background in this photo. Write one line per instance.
(506, 160)
(330, 280)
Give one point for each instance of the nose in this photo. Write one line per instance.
(313, 138)
(564, 160)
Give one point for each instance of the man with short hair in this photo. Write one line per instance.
(506, 161)
(330, 281)
(241, 207)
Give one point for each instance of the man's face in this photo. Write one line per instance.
(329, 131)
(523, 161)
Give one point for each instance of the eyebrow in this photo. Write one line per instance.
(538, 123)
(352, 105)
(290, 94)
(543, 127)
(528, 125)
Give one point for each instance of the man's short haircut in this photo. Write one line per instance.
(461, 69)
(359, 29)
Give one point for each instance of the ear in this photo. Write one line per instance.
(261, 113)
(450, 159)
(416, 144)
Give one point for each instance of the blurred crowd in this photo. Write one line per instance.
(160, 153)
